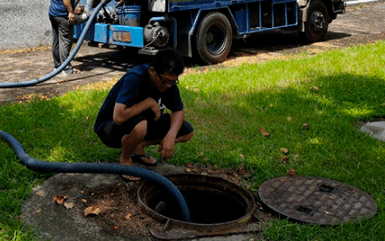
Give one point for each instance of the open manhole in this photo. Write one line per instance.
(216, 205)
(316, 200)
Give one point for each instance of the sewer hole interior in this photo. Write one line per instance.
(205, 207)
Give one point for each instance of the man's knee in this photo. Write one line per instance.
(140, 130)
(186, 137)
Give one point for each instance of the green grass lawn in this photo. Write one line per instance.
(330, 93)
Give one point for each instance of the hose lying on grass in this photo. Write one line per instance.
(100, 168)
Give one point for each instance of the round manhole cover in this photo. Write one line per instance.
(316, 200)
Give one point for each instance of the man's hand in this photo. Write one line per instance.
(166, 147)
(71, 18)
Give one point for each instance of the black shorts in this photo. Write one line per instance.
(112, 134)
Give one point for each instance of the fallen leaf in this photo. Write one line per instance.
(242, 156)
(188, 170)
(284, 159)
(91, 211)
(314, 88)
(291, 172)
(59, 199)
(284, 150)
(327, 213)
(40, 193)
(264, 132)
(36, 188)
(37, 211)
(68, 205)
(289, 118)
(84, 200)
(128, 216)
(116, 227)
(305, 126)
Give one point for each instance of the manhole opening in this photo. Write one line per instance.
(211, 201)
(206, 206)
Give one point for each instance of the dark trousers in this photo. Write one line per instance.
(62, 32)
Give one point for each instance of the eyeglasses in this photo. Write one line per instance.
(168, 82)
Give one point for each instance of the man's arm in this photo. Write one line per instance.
(167, 145)
(71, 14)
(122, 113)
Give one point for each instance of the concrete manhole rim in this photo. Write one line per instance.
(229, 225)
(324, 202)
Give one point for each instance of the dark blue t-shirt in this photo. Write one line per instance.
(132, 88)
(57, 8)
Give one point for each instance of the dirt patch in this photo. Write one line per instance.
(119, 212)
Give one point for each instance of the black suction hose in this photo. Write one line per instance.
(42, 166)
(67, 61)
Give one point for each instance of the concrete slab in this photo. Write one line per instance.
(375, 129)
(56, 222)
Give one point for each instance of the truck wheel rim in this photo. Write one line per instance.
(216, 39)
(317, 20)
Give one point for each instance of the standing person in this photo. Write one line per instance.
(62, 17)
(132, 115)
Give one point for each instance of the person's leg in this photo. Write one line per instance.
(65, 40)
(55, 42)
(131, 141)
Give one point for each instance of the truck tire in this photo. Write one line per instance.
(214, 38)
(317, 22)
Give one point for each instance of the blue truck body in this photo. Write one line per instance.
(205, 28)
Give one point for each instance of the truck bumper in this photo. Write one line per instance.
(128, 36)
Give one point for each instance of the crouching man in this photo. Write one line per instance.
(132, 115)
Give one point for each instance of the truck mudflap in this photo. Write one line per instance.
(120, 35)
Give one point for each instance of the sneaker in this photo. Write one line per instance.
(69, 71)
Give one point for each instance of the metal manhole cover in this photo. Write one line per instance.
(316, 200)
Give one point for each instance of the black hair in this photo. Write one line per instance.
(168, 61)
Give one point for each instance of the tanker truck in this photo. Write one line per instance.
(201, 28)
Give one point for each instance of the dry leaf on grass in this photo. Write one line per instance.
(284, 159)
(264, 132)
(91, 211)
(291, 172)
(284, 150)
(314, 88)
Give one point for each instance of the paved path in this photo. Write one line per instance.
(360, 25)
